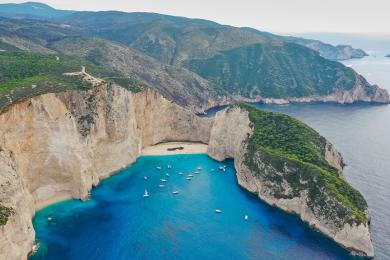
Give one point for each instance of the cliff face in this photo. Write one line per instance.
(274, 180)
(61, 145)
(361, 92)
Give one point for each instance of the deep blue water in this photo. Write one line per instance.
(362, 134)
(119, 223)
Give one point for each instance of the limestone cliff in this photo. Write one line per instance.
(61, 145)
(285, 183)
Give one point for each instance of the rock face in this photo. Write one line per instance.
(361, 92)
(79, 138)
(228, 140)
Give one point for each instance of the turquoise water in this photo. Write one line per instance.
(119, 223)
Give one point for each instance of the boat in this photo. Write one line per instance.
(146, 194)
(167, 174)
(158, 168)
(50, 218)
(199, 168)
(246, 217)
(188, 178)
(196, 172)
(218, 211)
(180, 173)
(163, 180)
(175, 192)
(161, 185)
(222, 168)
(190, 175)
(145, 177)
(169, 166)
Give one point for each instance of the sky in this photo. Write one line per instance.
(279, 16)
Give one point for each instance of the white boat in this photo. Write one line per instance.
(190, 175)
(163, 180)
(218, 211)
(146, 194)
(145, 177)
(196, 172)
(188, 178)
(199, 168)
(175, 192)
(158, 168)
(246, 217)
(49, 218)
(169, 166)
(167, 174)
(222, 168)
(180, 173)
(161, 185)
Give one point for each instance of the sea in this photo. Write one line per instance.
(118, 222)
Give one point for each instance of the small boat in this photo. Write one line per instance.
(145, 177)
(167, 174)
(222, 168)
(146, 194)
(175, 192)
(218, 211)
(50, 218)
(180, 173)
(246, 217)
(199, 168)
(190, 175)
(169, 166)
(188, 178)
(161, 185)
(196, 172)
(158, 168)
(163, 180)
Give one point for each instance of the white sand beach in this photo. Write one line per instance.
(162, 149)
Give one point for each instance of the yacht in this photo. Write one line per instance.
(146, 194)
(175, 192)
(163, 180)
(158, 168)
(218, 211)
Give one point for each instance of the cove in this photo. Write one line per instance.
(119, 223)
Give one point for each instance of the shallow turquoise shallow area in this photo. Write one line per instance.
(119, 223)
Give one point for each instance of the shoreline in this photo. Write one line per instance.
(158, 149)
(52, 200)
(162, 148)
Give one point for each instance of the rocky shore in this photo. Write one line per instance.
(81, 137)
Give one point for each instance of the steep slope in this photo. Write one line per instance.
(277, 69)
(179, 84)
(81, 137)
(288, 165)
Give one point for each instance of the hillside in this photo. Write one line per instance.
(196, 63)
(278, 71)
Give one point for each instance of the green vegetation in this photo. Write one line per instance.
(25, 74)
(5, 213)
(278, 71)
(296, 153)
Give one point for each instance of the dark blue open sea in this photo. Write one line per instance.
(119, 223)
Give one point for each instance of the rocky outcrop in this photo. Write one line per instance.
(79, 138)
(361, 92)
(275, 183)
(61, 145)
